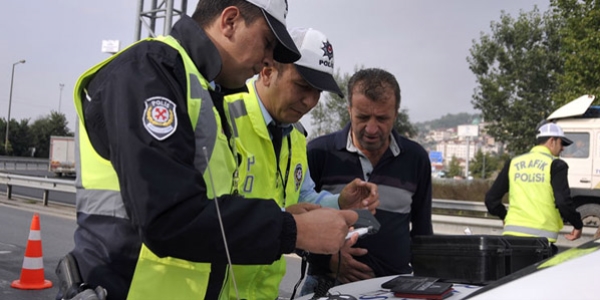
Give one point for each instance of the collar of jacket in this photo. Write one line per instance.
(198, 46)
(542, 149)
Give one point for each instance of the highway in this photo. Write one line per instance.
(57, 239)
(57, 226)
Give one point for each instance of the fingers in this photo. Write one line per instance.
(357, 251)
(361, 273)
(575, 234)
(349, 216)
(323, 231)
(354, 270)
(372, 207)
(354, 265)
(371, 188)
(350, 269)
(351, 241)
(371, 201)
(359, 194)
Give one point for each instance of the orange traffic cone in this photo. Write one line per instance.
(32, 273)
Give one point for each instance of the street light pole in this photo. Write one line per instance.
(12, 77)
(61, 86)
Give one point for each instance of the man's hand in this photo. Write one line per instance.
(359, 194)
(301, 208)
(350, 269)
(324, 230)
(575, 234)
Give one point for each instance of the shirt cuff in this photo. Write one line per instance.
(327, 199)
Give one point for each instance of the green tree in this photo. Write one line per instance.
(454, 168)
(331, 113)
(483, 165)
(447, 121)
(2, 135)
(403, 124)
(516, 67)
(580, 43)
(19, 137)
(44, 127)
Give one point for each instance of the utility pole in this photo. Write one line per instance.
(12, 77)
(483, 167)
(468, 154)
(61, 86)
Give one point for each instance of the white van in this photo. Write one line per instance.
(581, 123)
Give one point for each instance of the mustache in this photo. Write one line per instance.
(363, 133)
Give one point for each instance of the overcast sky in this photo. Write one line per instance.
(423, 43)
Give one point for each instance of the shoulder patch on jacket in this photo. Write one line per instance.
(159, 118)
(300, 128)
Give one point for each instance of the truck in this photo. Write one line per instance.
(580, 121)
(62, 156)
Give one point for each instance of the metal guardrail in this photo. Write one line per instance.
(459, 205)
(23, 158)
(24, 164)
(68, 186)
(45, 184)
(444, 224)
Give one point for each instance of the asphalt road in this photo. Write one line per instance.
(57, 226)
(57, 240)
(57, 235)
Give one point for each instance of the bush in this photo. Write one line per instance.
(451, 189)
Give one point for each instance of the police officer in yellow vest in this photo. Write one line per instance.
(538, 190)
(272, 143)
(154, 159)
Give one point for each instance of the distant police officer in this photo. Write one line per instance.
(154, 154)
(538, 190)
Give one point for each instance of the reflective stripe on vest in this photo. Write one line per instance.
(98, 188)
(527, 231)
(532, 210)
(258, 180)
(237, 109)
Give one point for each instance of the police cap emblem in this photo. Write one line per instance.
(327, 50)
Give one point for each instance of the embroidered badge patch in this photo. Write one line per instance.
(159, 117)
(298, 176)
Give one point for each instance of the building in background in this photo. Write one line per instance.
(461, 142)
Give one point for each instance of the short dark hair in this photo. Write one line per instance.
(542, 139)
(280, 67)
(373, 83)
(207, 10)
